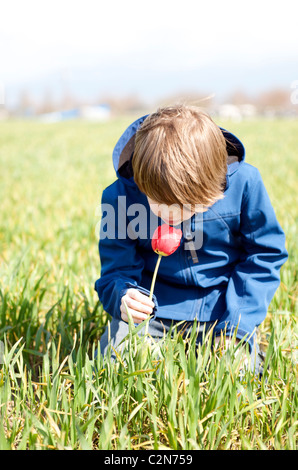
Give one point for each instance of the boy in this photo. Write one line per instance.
(185, 171)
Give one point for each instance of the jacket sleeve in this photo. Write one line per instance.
(257, 275)
(121, 265)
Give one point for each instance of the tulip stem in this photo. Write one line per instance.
(154, 276)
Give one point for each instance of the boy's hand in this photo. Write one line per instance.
(138, 304)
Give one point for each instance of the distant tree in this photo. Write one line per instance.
(26, 104)
(129, 104)
(191, 98)
(275, 99)
(47, 104)
(239, 97)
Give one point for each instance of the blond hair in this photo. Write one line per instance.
(180, 157)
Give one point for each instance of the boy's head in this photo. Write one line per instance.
(180, 157)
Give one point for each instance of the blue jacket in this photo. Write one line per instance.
(230, 279)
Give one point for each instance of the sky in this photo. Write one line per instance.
(151, 49)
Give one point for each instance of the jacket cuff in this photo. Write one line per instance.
(131, 285)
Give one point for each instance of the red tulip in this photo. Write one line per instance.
(165, 241)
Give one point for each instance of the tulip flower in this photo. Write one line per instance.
(165, 241)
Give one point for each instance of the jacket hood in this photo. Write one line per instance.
(124, 149)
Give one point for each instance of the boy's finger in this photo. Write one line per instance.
(137, 295)
(136, 305)
(137, 317)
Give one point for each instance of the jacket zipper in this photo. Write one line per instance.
(190, 244)
(193, 251)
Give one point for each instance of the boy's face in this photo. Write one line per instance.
(171, 215)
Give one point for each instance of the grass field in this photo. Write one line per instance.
(52, 177)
